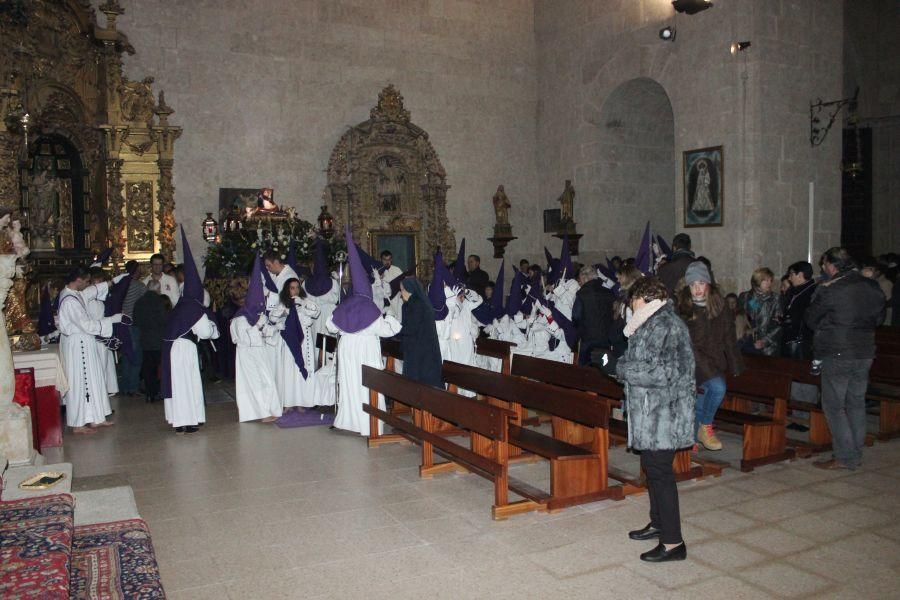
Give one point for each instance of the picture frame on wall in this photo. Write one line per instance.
(704, 176)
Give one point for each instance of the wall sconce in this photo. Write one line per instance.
(739, 47)
(326, 223)
(210, 229)
(667, 34)
(691, 7)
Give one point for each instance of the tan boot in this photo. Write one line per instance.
(706, 435)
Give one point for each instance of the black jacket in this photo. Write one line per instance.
(419, 341)
(477, 280)
(592, 312)
(843, 316)
(150, 316)
(793, 327)
(672, 271)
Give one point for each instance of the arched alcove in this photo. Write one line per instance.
(635, 166)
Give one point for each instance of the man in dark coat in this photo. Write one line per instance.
(150, 314)
(843, 315)
(418, 336)
(477, 278)
(592, 313)
(673, 270)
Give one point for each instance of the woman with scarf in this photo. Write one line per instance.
(658, 373)
(763, 310)
(418, 336)
(711, 325)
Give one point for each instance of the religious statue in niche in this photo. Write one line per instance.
(567, 204)
(44, 204)
(389, 185)
(265, 206)
(502, 229)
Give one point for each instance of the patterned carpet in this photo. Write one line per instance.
(113, 561)
(35, 546)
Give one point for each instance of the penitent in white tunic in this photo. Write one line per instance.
(354, 351)
(96, 310)
(293, 389)
(255, 389)
(326, 303)
(87, 400)
(186, 407)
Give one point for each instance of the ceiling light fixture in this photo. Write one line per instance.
(667, 34)
(739, 47)
(691, 6)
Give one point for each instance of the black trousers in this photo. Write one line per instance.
(664, 512)
(150, 372)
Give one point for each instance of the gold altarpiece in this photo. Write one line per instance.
(86, 155)
(384, 177)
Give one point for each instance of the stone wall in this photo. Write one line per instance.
(871, 47)
(754, 104)
(265, 89)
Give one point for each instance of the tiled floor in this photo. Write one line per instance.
(250, 511)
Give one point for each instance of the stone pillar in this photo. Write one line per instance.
(15, 420)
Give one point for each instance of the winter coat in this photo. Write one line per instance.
(764, 314)
(796, 337)
(843, 316)
(672, 271)
(658, 373)
(150, 316)
(714, 343)
(419, 341)
(592, 312)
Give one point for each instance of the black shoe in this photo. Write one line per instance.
(191, 429)
(660, 554)
(797, 427)
(647, 533)
(179, 430)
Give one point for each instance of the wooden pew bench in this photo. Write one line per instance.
(588, 379)
(488, 423)
(799, 371)
(884, 388)
(577, 474)
(764, 437)
(496, 349)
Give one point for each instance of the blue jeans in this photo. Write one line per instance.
(844, 383)
(709, 399)
(131, 369)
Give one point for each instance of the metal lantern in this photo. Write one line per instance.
(326, 223)
(210, 229)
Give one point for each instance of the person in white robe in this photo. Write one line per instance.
(360, 324)
(97, 310)
(181, 385)
(87, 401)
(295, 388)
(280, 273)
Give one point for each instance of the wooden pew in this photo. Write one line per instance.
(764, 437)
(589, 379)
(884, 388)
(799, 371)
(577, 475)
(496, 349)
(481, 419)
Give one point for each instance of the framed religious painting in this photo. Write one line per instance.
(552, 219)
(402, 246)
(704, 175)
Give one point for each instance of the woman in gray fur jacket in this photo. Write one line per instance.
(658, 373)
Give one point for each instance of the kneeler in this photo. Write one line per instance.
(26, 395)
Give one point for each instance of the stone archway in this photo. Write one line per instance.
(636, 167)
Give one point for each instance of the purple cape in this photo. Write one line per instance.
(358, 311)
(514, 303)
(320, 282)
(113, 306)
(292, 334)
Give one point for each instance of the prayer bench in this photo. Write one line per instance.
(588, 379)
(577, 474)
(884, 388)
(486, 423)
(764, 436)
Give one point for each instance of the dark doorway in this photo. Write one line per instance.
(856, 192)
